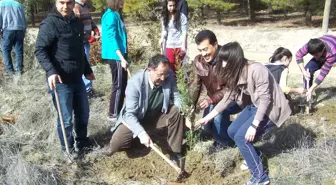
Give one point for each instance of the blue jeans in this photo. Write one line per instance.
(12, 38)
(313, 65)
(88, 83)
(237, 132)
(219, 125)
(73, 99)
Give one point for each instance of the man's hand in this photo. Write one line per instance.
(145, 139)
(53, 79)
(90, 76)
(205, 103)
(124, 64)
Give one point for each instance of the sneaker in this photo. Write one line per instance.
(244, 166)
(83, 145)
(112, 118)
(258, 183)
(72, 156)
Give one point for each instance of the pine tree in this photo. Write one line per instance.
(219, 6)
(188, 109)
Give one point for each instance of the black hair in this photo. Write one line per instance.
(206, 34)
(279, 53)
(165, 15)
(233, 54)
(315, 46)
(155, 61)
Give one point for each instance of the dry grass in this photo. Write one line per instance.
(301, 152)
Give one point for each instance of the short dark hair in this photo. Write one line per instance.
(315, 46)
(206, 34)
(155, 61)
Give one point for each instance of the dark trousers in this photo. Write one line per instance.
(119, 82)
(313, 65)
(218, 125)
(237, 131)
(173, 121)
(73, 99)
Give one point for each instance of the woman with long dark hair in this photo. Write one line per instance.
(269, 106)
(114, 51)
(173, 42)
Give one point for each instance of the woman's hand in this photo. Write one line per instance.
(124, 64)
(200, 123)
(250, 134)
(183, 50)
(251, 131)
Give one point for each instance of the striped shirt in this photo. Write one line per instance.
(82, 11)
(330, 56)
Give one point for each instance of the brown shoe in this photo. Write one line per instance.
(107, 150)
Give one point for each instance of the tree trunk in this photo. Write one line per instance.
(326, 15)
(218, 16)
(251, 10)
(309, 16)
(32, 16)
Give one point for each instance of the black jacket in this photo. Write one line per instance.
(59, 47)
(183, 7)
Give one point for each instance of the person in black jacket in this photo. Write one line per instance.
(59, 49)
(182, 5)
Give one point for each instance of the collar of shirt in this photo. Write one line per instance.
(151, 84)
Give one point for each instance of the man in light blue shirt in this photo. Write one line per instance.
(13, 27)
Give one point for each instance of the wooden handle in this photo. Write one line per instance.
(308, 97)
(129, 73)
(62, 123)
(177, 169)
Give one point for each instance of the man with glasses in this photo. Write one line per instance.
(152, 102)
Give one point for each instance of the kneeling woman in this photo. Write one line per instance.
(269, 106)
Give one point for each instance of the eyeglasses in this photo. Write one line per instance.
(162, 75)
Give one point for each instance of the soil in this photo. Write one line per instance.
(142, 165)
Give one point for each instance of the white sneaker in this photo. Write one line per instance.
(112, 119)
(244, 166)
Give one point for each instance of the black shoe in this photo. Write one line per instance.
(73, 156)
(176, 158)
(84, 145)
(217, 146)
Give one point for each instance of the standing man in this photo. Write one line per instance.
(12, 27)
(205, 74)
(59, 49)
(152, 102)
(82, 11)
(182, 5)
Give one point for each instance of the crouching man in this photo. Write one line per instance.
(152, 102)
